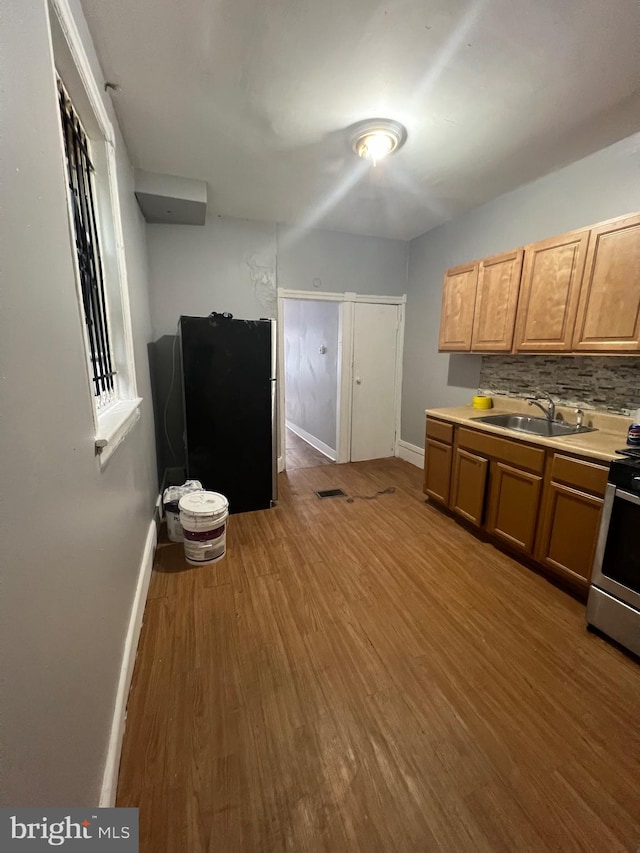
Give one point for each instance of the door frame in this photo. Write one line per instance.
(346, 329)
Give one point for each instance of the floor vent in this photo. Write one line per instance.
(331, 493)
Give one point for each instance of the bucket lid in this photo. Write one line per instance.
(204, 503)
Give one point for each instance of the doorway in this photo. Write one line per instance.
(310, 332)
(368, 373)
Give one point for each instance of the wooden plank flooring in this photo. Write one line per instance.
(302, 455)
(367, 676)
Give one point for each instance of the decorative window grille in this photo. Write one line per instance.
(82, 193)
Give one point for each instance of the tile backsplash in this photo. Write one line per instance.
(609, 383)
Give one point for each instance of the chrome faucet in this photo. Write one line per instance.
(550, 410)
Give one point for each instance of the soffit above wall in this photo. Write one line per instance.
(171, 199)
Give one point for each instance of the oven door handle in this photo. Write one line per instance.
(627, 496)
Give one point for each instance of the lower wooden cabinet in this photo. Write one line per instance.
(513, 505)
(437, 470)
(569, 531)
(542, 503)
(469, 485)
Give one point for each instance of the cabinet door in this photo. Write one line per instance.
(469, 484)
(609, 308)
(496, 302)
(513, 505)
(437, 470)
(549, 292)
(458, 301)
(569, 531)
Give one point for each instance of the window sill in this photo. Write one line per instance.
(114, 425)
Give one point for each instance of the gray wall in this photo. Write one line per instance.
(224, 265)
(311, 377)
(72, 536)
(335, 262)
(230, 265)
(235, 265)
(601, 186)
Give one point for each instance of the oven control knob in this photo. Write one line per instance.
(635, 483)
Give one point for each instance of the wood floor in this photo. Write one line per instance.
(367, 676)
(302, 455)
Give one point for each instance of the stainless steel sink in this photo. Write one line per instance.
(534, 426)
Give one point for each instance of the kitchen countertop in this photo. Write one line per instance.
(610, 434)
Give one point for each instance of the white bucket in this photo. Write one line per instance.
(174, 529)
(170, 500)
(203, 516)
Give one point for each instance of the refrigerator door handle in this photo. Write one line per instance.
(274, 411)
(274, 441)
(274, 349)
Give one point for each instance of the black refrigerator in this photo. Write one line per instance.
(229, 394)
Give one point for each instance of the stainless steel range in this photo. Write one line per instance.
(614, 595)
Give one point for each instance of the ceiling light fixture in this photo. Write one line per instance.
(376, 138)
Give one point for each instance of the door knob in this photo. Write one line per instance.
(358, 380)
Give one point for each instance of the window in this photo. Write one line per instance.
(88, 153)
(82, 191)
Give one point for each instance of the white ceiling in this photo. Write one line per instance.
(255, 96)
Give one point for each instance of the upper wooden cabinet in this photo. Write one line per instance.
(576, 293)
(609, 308)
(496, 302)
(549, 293)
(458, 303)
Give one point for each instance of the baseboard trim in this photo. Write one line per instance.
(410, 453)
(313, 441)
(112, 766)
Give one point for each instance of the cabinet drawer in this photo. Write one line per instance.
(579, 473)
(514, 452)
(440, 430)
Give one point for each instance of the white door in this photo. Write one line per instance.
(375, 353)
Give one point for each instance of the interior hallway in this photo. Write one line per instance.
(299, 454)
(367, 676)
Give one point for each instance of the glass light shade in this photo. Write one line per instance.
(375, 139)
(376, 146)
